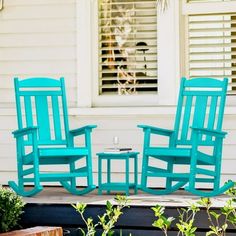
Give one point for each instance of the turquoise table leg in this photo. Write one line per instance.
(127, 175)
(135, 174)
(99, 175)
(108, 173)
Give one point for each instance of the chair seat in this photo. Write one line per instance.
(180, 155)
(62, 152)
(167, 151)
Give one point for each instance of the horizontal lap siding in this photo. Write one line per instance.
(125, 128)
(38, 38)
(129, 135)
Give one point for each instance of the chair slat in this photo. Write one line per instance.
(42, 115)
(212, 115)
(40, 93)
(200, 111)
(221, 112)
(186, 117)
(203, 83)
(39, 82)
(212, 112)
(28, 114)
(56, 117)
(202, 93)
(28, 111)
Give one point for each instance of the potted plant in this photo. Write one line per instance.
(11, 208)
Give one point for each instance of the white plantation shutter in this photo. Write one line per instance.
(127, 47)
(212, 46)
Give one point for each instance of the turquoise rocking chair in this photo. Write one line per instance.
(45, 146)
(194, 150)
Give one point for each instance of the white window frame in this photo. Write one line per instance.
(189, 8)
(87, 65)
(209, 7)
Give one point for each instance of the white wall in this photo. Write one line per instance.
(38, 38)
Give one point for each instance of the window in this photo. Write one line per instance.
(127, 47)
(211, 37)
(127, 53)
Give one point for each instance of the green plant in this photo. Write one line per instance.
(162, 222)
(185, 224)
(11, 207)
(106, 221)
(218, 222)
(186, 220)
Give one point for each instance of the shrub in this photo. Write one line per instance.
(218, 222)
(11, 207)
(106, 221)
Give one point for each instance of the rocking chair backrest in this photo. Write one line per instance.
(201, 104)
(41, 102)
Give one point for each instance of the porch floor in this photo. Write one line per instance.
(58, 195)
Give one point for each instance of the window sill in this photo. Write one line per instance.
(123, 111)
(119, 111)
(133, 111)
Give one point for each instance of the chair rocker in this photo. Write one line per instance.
(45, 146)
(193, 154)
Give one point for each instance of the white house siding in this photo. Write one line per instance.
(38, 38)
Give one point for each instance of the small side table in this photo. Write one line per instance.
(108, 185)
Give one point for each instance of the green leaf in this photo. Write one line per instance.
(192, 230)
(180, 227)
(210, 233)
(109, 206)
(158, 210)
(89, 221)
(232, 219)
(205, 202)
(159, 223)
(80, 207)
(224, 226)
(215, 215)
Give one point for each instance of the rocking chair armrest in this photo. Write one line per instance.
(157, 130)
(211, 132)
(82, 130)
(24, 131)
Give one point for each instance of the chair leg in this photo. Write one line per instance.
(20, 188)
(164, 191)
(217, 190)
(77, 191)
(170, 170)
(169, 188)
(71, 187)
(90, 170)
(144, 172)
(212, 193)
(25, 193)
